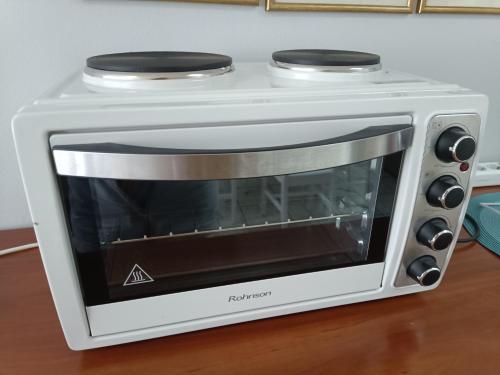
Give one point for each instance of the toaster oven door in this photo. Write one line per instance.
(146, 221)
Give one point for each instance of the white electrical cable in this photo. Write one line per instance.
(18, 248)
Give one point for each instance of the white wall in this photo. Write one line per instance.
(44, 40)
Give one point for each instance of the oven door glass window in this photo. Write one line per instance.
(135, 238)
(146, 221)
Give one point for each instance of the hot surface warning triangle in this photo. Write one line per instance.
(137, 276)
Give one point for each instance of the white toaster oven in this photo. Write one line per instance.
(176, 194)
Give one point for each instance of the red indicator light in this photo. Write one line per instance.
(464, 167)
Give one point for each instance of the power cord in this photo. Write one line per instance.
(18, 248)
(473, 236)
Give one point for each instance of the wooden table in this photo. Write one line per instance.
(452, 330)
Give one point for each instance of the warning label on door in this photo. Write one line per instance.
(137, 276)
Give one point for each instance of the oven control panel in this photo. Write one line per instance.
(446, 167)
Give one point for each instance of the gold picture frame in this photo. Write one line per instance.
(227, 2)
(318, 6)
(426, 6)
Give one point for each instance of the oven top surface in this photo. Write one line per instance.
(244, 80)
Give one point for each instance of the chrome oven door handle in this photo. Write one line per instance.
(118, 161)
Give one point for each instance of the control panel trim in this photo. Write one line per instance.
(432, 169)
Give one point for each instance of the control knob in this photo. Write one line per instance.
(455, 144)
(424, 270)
(445, 192)
(435, 234)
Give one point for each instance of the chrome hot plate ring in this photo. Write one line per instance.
(326, 69)
(108, 75)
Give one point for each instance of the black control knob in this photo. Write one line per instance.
(455, 144)
(435, 234)
(424, 270)
(445, 192)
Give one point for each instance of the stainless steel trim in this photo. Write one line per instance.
(134, 76)
(326, 69)
(228, 164)
(442, 198)
(453, 149)
(433, 168)
(422, 276)
(436, 236)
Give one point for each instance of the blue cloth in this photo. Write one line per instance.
(488, 220)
